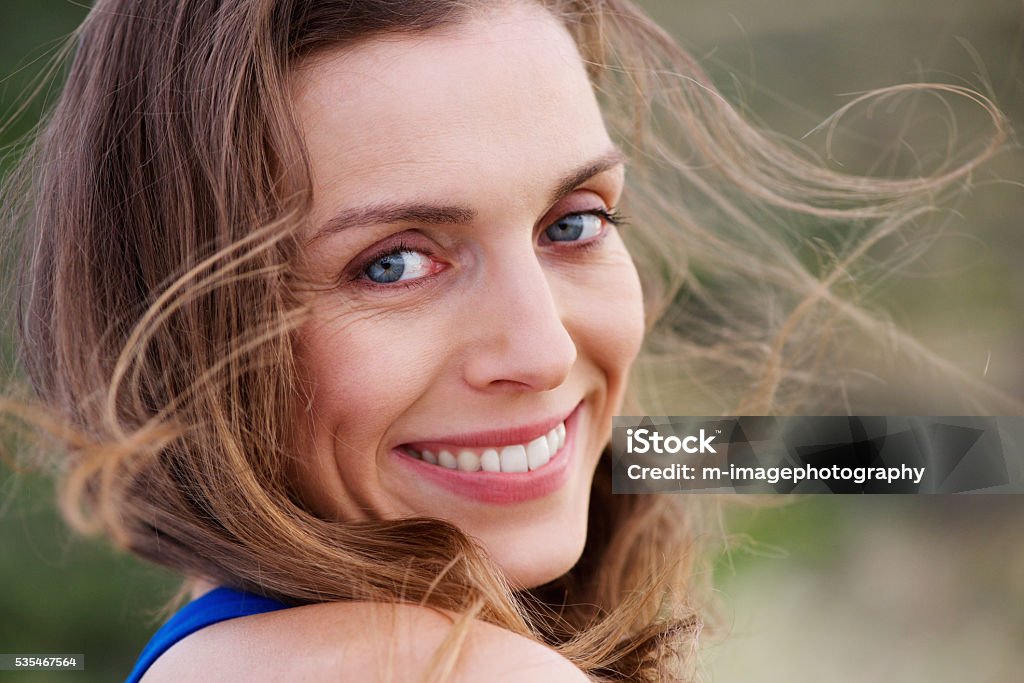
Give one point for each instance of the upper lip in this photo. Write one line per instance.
(497, 437)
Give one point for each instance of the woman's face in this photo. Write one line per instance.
(482, 313)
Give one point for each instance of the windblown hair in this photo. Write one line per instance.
(161, 281)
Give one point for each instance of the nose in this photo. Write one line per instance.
(518, 339)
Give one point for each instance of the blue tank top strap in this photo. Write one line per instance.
(218, 605)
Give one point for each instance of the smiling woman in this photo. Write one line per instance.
(331, 305)
(476, 296)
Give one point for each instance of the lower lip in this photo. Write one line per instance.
(504, 489)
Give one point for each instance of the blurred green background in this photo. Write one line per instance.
(829, 588)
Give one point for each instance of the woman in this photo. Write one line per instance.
(331, 305)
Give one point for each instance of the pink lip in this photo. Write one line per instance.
(499, 488)
(493, 437)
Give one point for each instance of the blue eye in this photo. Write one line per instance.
(403, 264)
(575, 227)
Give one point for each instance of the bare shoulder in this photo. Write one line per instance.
(364, 641)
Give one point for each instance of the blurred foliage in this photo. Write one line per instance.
(790, 64)
(68, 595)
(787, 63)
(30, 34)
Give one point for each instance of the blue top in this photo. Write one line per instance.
(219, 604)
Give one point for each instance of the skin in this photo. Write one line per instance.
(503, 327)
(357, 642)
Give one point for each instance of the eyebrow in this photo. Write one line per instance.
(438, 214)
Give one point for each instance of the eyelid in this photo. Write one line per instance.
(588, 196)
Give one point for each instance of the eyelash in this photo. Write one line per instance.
(610, 216)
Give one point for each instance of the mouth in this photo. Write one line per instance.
(502, 466)
(509, 458)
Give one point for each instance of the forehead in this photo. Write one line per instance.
(501, 96)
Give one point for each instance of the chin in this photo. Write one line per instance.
(526, 573)
(533, 557)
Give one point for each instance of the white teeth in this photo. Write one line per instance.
(446, 459)
(468, 461)
(537, 453)
(513, 459)
(489, 461)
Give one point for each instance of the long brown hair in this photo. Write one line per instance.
(161, 278)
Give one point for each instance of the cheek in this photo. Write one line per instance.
(362, 374)
(608, 316)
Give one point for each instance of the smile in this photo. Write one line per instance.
(512, 458)
(501, 466)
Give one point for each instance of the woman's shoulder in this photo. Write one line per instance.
(367, 641)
